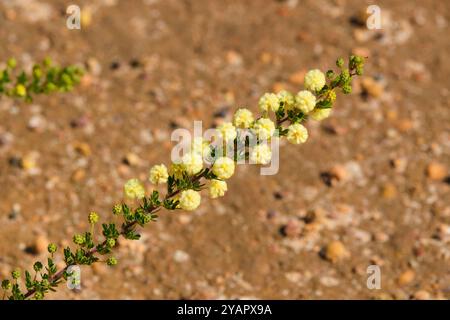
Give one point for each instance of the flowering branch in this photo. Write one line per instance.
(187, 177)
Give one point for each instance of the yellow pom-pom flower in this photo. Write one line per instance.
(269, 101)
(261, 154)
(189, 200)
(201, 146)
(314, 80)
(158, 174)
(297, 133)
(243, 118)
(223, 168)
(227, 131)
(305, 101)
(134, 189)
(192, 162)
(264, 128)
(320, 114)
(286, 99)
(217, 188)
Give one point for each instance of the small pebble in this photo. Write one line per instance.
(234, 58)
(298, 77)
(36, 123)
(39, 246)
(399, 164)
(29, 161)
(78, 175)
(372, 87)
(94, 66)
(381, 237)
(337, 173)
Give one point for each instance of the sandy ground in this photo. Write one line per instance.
(375, 176)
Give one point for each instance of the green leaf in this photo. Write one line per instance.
(22, 78)
(88, 240)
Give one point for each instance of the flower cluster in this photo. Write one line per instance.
(283, 115)
(44, 78)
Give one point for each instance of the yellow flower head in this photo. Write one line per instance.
(227, 131)
(243, 118)
(286, 99)
(197, 144)
(217, 188)
(297, 133)
(314, 80)
(133, 189)
(269, 101)
(264, 128)
(189, 200)
(21, 90)
(261, 154)
(320, 114)
(305, 101)
(158, 174)
(223, 168)
(192, 162)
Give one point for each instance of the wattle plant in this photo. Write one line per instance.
(207, 165)
(44, 78)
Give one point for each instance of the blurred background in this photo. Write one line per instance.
(372, 180)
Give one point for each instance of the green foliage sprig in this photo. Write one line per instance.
(185, 180)
(45, 78)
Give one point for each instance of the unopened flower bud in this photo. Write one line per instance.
(39, 295)
(6, 285)
(330, 74)
(37, 266)
(347, 89)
